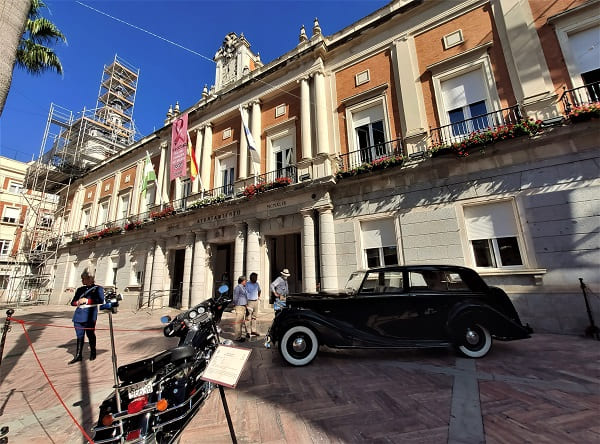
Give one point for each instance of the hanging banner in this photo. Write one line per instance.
(179, 139)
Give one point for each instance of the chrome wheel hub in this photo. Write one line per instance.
(472, 337)
(299, 345)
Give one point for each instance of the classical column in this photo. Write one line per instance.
(198, 152)
(525, 58)
(309, 270)
(187, 272)
(321, 113)
(256, 130)
(162, 192)
(74, 222)
(159, 275)
(253, 246)
(148, 274)
(305, 119)
(243, 173)
(239, 253)
(409, 95)
(206, 157)
(198, 290)
(329, 281)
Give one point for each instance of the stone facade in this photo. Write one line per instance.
(333, 117)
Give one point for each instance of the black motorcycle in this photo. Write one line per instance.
(158, 396)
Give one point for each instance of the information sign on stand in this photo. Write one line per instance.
(226, 365)
(224, 369)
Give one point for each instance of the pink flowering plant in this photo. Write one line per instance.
(252, 190)
(165, 212)
(488, 136)
(106, 232)
(584, 112)
(380, 163)
(134, 225)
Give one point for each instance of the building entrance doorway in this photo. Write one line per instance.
(223, 267)
(285, 252)
(175, 296)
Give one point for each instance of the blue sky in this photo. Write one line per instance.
(167, 73)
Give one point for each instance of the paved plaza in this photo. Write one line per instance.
(542, 390)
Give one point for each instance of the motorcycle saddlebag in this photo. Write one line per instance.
(140, 370)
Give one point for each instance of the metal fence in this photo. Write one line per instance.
(354, 159)
(460, 130)
(583, 95)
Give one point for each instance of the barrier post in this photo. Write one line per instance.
(5, 330)
(114, 364)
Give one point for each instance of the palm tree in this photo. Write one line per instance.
(35, 34)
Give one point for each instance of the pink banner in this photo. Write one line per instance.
(179, 147)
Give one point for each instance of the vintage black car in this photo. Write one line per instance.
(398, 307)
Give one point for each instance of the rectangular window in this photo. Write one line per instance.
(186, 188)
(379, 243)
(370, 134)
(493, 235)
(15, 187)
(102, 213)
(283, 155)
(227, 174)
(85, 218)
(47, 220)
(383, 282)
(123, 209)
(3, 281)
(11, 215)
(4, 247)
(464, 98)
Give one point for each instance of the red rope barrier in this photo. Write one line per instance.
(50, 382)
(39, 324)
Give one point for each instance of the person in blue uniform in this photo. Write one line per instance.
(86, 299)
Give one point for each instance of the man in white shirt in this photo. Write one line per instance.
(253, 292)
(279, 289)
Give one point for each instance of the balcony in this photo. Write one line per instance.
(584, 95)
(457, 132)
(370, 157)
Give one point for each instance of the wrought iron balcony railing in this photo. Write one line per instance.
(289, 171)
(354, 159)
(584, 95)
(457, 131)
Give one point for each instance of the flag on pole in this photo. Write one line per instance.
(192, 154)
(250, 139)
(149, 174)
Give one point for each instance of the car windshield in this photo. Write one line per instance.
(354, 282)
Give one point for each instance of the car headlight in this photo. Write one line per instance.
(201, 310)
(192, 314)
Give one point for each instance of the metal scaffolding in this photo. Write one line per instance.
(71, 146)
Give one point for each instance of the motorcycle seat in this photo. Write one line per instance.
(140, 370)
(181, 353)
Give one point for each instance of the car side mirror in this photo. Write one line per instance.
(165, 319)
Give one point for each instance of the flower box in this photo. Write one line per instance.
(166, 212)
(381, 163)
(252, 190)
(584, 113)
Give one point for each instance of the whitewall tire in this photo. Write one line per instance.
(299, 345)
(475, 341)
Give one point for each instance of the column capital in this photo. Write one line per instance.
(255, 102)
(164, 144)
(307, 212)
(324, 208)
(305, 78)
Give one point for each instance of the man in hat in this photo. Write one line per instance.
(279, 289)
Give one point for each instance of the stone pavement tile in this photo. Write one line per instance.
(543, 389)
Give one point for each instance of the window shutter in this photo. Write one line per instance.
(378, 233)
(11, 213)
(585, 47)
(490, 221)
(463, 90)
(366, 116)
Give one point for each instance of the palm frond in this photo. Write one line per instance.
(42, 30)
(37, 58)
